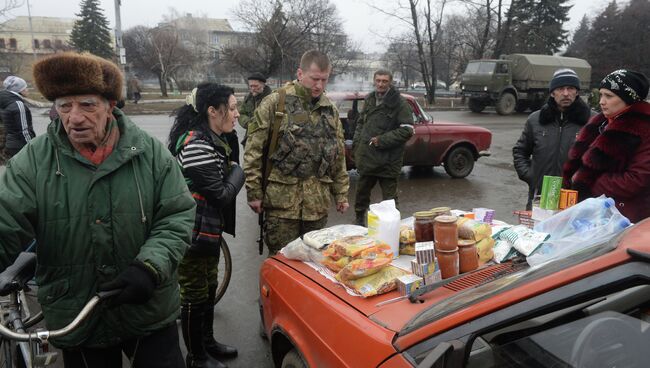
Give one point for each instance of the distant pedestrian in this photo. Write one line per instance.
(15, 116)
(544, 144)
(383, 127)
(257, 91)
(135, 86)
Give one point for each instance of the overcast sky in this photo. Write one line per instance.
(361, 21)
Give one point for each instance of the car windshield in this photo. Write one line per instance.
(480, 67)
(425, 115)
(471, 296)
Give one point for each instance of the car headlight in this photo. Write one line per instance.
(485, 88)
(462, 87)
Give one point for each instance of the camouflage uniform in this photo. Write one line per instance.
(247, 109)
(308, 165)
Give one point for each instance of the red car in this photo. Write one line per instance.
(454, 145)
(590, 309)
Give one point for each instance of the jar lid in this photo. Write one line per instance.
(466, 242)
(441, 209)
(421, 214)
(446, 219)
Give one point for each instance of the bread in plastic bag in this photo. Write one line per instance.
(378, 283)
(485, 249)
(352, 246)
(407, 240)
(362, 267)
(380, 250)
(335, 265)
(320, 238)
(299, 251)
(472, 229)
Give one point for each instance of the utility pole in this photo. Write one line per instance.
(31, 30)
(119, 49)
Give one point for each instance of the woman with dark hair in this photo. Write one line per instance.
(611, 154)
(198, 140)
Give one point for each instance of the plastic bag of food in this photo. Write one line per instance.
(485, 249)
(378, 283)
(361, 267)
(335, 265)
(381, 250)
(472, 229)
(332, 252)
(299, 251)
(522, 238)
(352, 246)
(322, 237)
(407, 240)
(503, 251)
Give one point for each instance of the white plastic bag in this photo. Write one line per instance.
(591, 222)
(383, 224)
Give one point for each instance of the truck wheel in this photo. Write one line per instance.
(475, 105)
(521, 106)
(293, 360)
(506, 104)
(459, 162)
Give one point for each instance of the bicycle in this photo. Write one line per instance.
(225, 264)
(19, 346)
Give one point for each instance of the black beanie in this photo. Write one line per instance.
(257, 76)
(629, 85)
(564, 77)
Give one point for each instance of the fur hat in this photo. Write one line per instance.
(564, 77)
(257, 76)
(70, 73)
(629, 85)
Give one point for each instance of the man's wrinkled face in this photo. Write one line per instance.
(314, 79)
(84, 117)
(564, 96)
(255, 87)
(382, 83)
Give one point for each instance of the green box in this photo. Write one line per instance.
(551, 186)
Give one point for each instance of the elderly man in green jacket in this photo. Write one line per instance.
(109, 209)
(383, 127)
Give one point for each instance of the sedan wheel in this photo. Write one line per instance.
(459, 162)
(293, 360)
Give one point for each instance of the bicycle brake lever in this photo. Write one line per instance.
(108, 293)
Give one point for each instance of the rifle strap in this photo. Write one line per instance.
(274, 131)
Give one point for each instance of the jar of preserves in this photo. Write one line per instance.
(445, 232)
(440, 211)
(448, 262)
(468, 255)
(423, 226)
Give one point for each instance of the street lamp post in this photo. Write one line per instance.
(31, 29)
(119, 49)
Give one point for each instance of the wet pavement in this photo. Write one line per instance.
(492, 184)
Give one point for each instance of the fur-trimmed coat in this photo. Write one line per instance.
(613, 158)
(543, 147)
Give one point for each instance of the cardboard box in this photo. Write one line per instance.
(424, 252)
(407, 284)
(424, 269)
(568, 198)
(551, 186)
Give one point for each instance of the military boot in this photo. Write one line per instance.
(212, 347)
(192, 319)
(360, 218)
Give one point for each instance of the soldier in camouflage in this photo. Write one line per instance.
(257, 91)
(308, 165)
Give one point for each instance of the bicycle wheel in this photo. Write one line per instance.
(225, 271)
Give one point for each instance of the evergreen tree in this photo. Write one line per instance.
(578, 46)
(90, 32)
(604, 49)
(634, 34)
(537, 26)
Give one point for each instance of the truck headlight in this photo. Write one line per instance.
(485, 88)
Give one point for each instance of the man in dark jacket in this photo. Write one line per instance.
(110, 210)
(383, 127)
(549, 133)
(257, 91)
(15, 116)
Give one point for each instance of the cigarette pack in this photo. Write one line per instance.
(568, 198)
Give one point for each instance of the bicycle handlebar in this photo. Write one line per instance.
(44, 335)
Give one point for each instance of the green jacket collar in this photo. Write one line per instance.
(391, 99)
(305, 94)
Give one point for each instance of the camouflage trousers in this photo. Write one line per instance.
(278, 232)
(364, 188)
(198, 277)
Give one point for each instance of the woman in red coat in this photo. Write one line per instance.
(611, 154)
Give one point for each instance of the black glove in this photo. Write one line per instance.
(236, 178)
(137, 283)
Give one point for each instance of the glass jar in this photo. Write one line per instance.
(440, 211)
(468, 255)
(445, 232)
(447, 262)
(423, 226)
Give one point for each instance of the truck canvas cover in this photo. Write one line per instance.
(539, 69)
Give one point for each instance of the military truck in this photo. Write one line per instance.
(516, 82)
